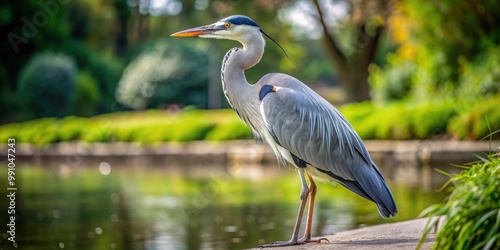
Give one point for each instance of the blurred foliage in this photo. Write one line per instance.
(229, 131)
(166, 72)
(104, 37)
(70, 128)
(24, 37)
(399, 121)
(360, 115)
(447, 49)
(391, 83)
(87, 94)
(150, 126)
(471, 214)
(480, 77)
(478, 121)
(424, 120)
(40, 131)
(104, 69)
(351, 39)
(47, 85)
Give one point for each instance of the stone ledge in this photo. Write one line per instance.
(399, 235)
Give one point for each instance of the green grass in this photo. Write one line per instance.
(151, 126)
(472, 211)
(396, 121)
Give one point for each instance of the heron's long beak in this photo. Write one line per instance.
(203, 30)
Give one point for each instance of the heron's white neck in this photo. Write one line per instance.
(240, 94)
(236, 61)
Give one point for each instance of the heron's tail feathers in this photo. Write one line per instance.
(386, 206)
(371, 184)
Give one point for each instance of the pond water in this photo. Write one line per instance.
(109, 207)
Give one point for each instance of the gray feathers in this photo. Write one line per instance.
(315, 132)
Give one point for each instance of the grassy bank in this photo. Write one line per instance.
(148, 127)
(472, 211)
(399, 121)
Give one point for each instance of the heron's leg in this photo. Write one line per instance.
(303, 200)
(310, 210)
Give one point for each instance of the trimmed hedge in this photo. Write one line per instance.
(145, 127)
(472, 120)
(399, 121)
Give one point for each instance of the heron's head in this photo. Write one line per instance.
(237, 27)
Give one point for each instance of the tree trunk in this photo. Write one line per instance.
(352, 71)
(355, 84)
(121, 40)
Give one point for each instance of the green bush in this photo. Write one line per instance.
(357, 111)
(150, 134)
(399, 121)
(477, 122)
(394, 122)
(190, 131)
(391, 83)
(99, 131)
(192, 125)
(71, 128)
(46, 85)
(41, 131)
(104, 69)
(471, 216)
(87, 95)
(165, 72)
(445, 51)
(481, 77)
(229, 131)
(8, 131)
(431, 118)
(363, 117)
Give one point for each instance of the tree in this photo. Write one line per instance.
(27, 27)
(366, 19)
(165, 73)
(47, 85)
(448, 49)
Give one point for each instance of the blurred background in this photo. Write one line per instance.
(125, 140)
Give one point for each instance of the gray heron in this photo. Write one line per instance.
(300, 126)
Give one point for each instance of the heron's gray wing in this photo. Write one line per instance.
(315, 132)
(310, 129)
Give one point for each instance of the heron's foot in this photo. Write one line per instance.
(282, 244)
(302, 241)
(309, 240)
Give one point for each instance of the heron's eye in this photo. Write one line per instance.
(227, 25)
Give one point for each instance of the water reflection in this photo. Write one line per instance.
(149, 208)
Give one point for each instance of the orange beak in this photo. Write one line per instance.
(195, 31)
